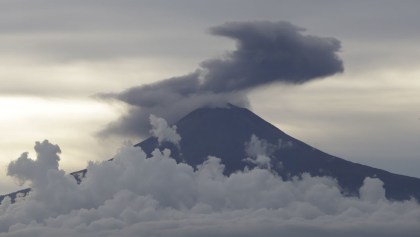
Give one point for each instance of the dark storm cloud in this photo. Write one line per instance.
(266, 52)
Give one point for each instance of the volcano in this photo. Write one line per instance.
(224, 132)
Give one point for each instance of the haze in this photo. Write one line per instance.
(57, 55)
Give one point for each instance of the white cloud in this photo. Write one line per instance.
(372, 190)
(139, 196)
(25, 169)
(259, 151)
(162, 131)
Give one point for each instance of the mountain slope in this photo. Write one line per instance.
(223, 132)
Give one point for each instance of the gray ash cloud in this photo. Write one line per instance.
(266, 53)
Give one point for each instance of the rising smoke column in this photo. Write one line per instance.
(266, 52)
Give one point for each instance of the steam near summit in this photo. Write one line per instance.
(205, 185)
(266, 52)
(209, 166)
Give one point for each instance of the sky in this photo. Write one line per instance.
(59, 58)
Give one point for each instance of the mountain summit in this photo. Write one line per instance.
(225, 133)
(242, 139)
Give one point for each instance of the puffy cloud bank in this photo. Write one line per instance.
(266, 52)
(138, 196)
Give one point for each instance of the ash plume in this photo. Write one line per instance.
(266, 53)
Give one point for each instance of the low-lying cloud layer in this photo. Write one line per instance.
(266, 52)
(138, 196)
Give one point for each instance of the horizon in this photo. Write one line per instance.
(81, 80)
(367, 114)
(139, 193)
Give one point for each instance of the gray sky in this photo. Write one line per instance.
(56, 54)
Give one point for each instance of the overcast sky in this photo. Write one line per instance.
(56, 55)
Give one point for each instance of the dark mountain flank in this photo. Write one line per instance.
(223, 132)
